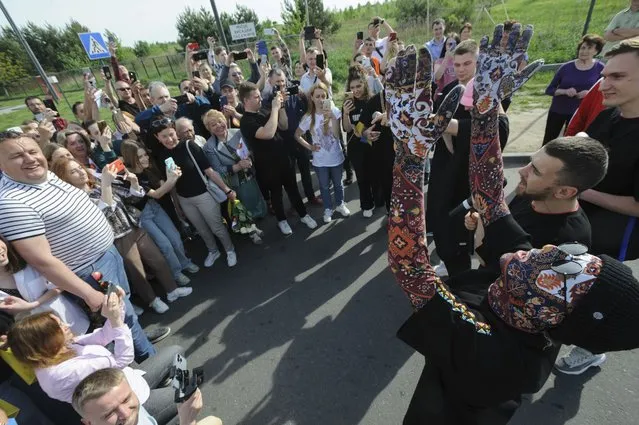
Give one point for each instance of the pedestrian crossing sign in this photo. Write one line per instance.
(94, 45)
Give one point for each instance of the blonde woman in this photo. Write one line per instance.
(323, 121)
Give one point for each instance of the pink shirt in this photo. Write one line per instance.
(447, 77)
(60, 381)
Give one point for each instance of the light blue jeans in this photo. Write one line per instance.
(325, 175)
(159, 226)
(112, 268)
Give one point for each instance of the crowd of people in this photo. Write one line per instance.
(86, 203)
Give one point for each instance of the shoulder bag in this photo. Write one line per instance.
(215, 191)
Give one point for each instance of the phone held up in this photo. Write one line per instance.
(309, 33)
(392, 36)
(133, 76)
(319, 61)
(238, 56)
(269, 31)
(170, 164)
(223, 101)
(360, 35)
(181, 99)
(202, 55)
(326, 105)
(107, 72)
(49, 103)
(196, 74)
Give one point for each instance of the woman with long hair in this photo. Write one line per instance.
(61, 359)
(360, 152)
(199, 206)
(134, 244)
(153, 218)
(322, 120)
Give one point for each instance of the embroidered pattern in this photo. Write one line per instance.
(462, 309)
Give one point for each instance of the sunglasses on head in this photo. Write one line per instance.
(164, 122)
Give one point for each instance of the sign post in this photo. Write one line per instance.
(243, 31)
(94, 45)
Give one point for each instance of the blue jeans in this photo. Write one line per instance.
(161, 229)
(325, 175)
(112, 268)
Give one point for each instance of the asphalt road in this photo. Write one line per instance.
(302, 331)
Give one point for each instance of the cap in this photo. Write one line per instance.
(228, 83)
(607, 317)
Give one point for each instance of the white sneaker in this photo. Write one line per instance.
(139, 311)
(210, 259)
(284, 227)
(192, 268)
(343, 210)
(177, 293)
(328, 215)
(441, 270)
(308, 220)
(578, 361)
(159, 306)
(231, 258)
(182, 279)
(368, 213)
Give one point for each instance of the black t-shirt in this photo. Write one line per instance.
(384, 145)
(264, 151)
(552, 229)
(190, 184)
(621, 137)
(354, 117)
(131, 108)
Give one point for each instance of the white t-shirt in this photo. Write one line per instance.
(381, 45)
(330, 153)
(307, 81)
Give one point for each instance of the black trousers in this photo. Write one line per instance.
(608, 231)
(383, 161)
(300, 156)
(554, 124)
(278, 172)
(368, 182)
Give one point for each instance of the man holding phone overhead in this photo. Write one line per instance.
(281, 56)
(317, 71)
(374, 28)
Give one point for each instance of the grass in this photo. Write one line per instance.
(558, 27)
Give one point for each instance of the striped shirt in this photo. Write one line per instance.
(77, 231)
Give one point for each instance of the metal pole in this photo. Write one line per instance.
(26, 47)
(588, 17)
(430, 27)
(219, 25)
(307, 14)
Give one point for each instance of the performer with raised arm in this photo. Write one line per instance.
(497, 336)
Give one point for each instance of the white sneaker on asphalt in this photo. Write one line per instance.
(210, 259)
(328, 215)
(578, 361)
(159, 306)
(343, 210)
(368, 213)
(284, 227)
(139, 311)
(440, 270)
(308, 220)
(231, 259)
(178, 293)
(192, 268)
(182, 279)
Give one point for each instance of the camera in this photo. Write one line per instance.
(202, 55)
(185, 382)
(292, 90)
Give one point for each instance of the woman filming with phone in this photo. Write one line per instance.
(322, 120)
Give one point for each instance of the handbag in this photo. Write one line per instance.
(215, 191)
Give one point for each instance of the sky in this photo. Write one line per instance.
(151, 20)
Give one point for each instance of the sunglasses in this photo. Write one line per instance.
(568, 266)
(164, 122)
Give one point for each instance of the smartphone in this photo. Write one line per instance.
(193, 46)
(87, 71)
(320, 61)
(392, 36)
(202, 55)
(119, 166)
(263, 59)
(326, 105)
(49, 103)
(112, 288)
(366, 62)
(309, 33)
(360, 35)
(240, 56)
(107, 72)
(133, 76)
(182, 99)
(196, 74)
(262, 48)
(292, 90)
(223, 101)
(348, 95)
(269, 31)
(170, 163)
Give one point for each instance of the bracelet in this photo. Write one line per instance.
(228, 191)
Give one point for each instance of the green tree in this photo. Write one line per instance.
(195, 26)
(141, 48)
(9, 70)
(294, 16)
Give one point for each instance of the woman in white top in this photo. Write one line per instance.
(323, 122)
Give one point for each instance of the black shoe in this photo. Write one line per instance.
(158, 334)
(347, 181)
